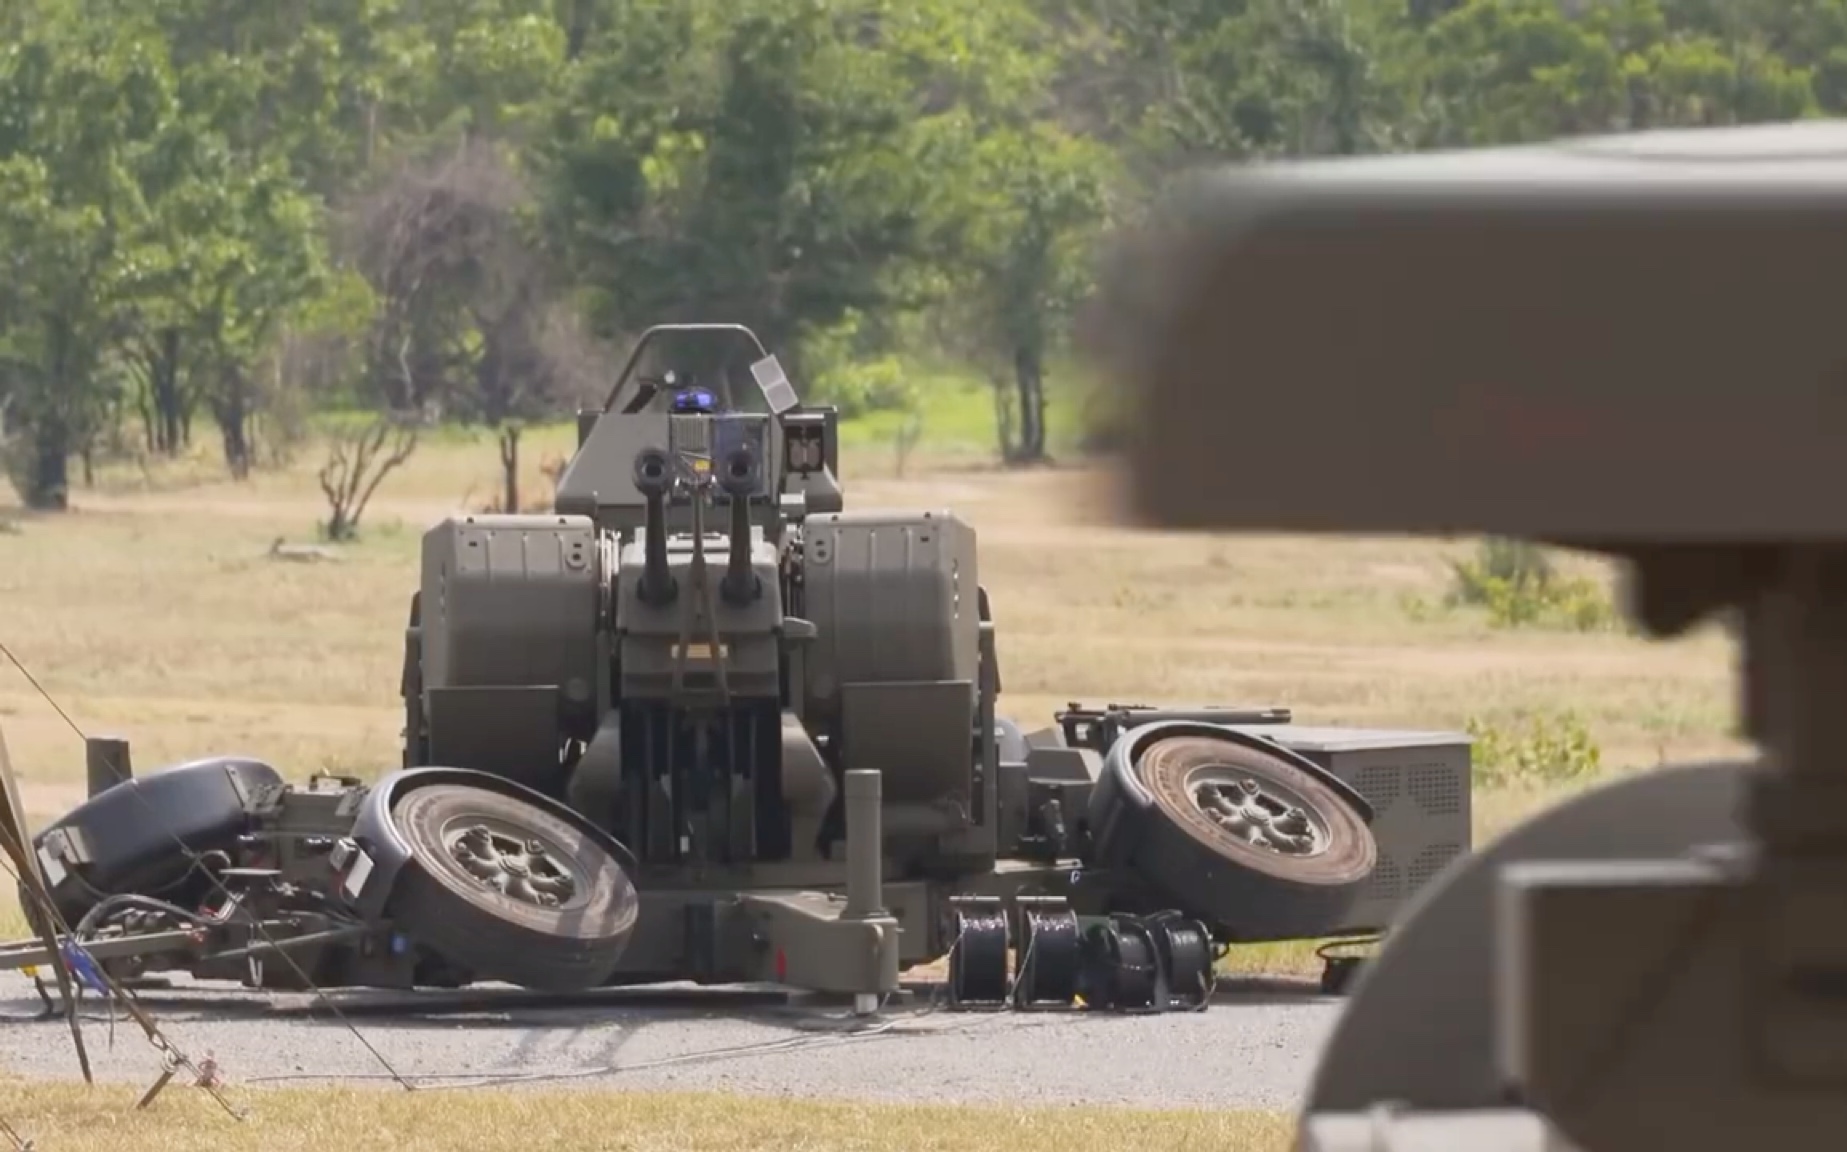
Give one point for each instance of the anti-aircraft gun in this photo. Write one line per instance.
(730, 652)
(702, 722)
(1627, 345)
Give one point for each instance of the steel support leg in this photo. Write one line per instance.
(865, 858)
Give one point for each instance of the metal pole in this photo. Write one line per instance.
(865, 845)
(106, 763)
(865, 860)
(16, 844)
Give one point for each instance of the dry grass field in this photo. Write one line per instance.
(103, 1120)
(154, 611)
(316, 1121)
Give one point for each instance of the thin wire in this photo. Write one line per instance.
(13, 834)
(155, 1036)
(463, 1081)
(255, 923)
(40, 688)
(886, 1026)
(20, 1143)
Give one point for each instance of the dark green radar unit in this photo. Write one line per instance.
(1626, 344)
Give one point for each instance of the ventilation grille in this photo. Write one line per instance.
(1386, 882)
(1431, 861)
(1381, 785)
(1435, 787)
(1406, 800)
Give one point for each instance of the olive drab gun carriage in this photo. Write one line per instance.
(703, 721)
(1630, 345)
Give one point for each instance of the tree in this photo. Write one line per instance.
(78, 105)
(1522, 70)
(761, 161)
(227, 250)
(1037, 208)
(517, 180)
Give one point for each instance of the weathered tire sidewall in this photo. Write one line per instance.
(495, 936)
(1244, 893)
(1167, 767)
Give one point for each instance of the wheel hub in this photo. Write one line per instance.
(1260, 813)
(521, 868)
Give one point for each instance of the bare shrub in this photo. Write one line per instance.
(357, 462)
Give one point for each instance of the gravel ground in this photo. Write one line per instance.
(1254, 1048)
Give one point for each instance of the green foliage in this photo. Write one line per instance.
(1518, 586)
(1537, 748)
(841, 367)
(233, 214)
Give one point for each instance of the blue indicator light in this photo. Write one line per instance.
(694, 400)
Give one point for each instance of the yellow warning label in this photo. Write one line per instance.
(700, 652)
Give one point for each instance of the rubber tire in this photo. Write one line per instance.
(436, 904)
(1243, 892)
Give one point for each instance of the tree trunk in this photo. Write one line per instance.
(54, 437)
(148, 422)
(49, 489)
(576, 30)
(232, 411)
(509, 464)
(1029, 380)
(1003, 413)
(169, 406)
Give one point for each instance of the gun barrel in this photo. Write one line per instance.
(653, 477)
(741, 475)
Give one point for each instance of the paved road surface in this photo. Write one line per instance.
(1254, 1048)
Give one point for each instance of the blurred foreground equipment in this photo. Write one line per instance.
(1625, 344)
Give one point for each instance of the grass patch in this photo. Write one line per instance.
(103, 1120)
(1545, 749)
(1517, 584)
